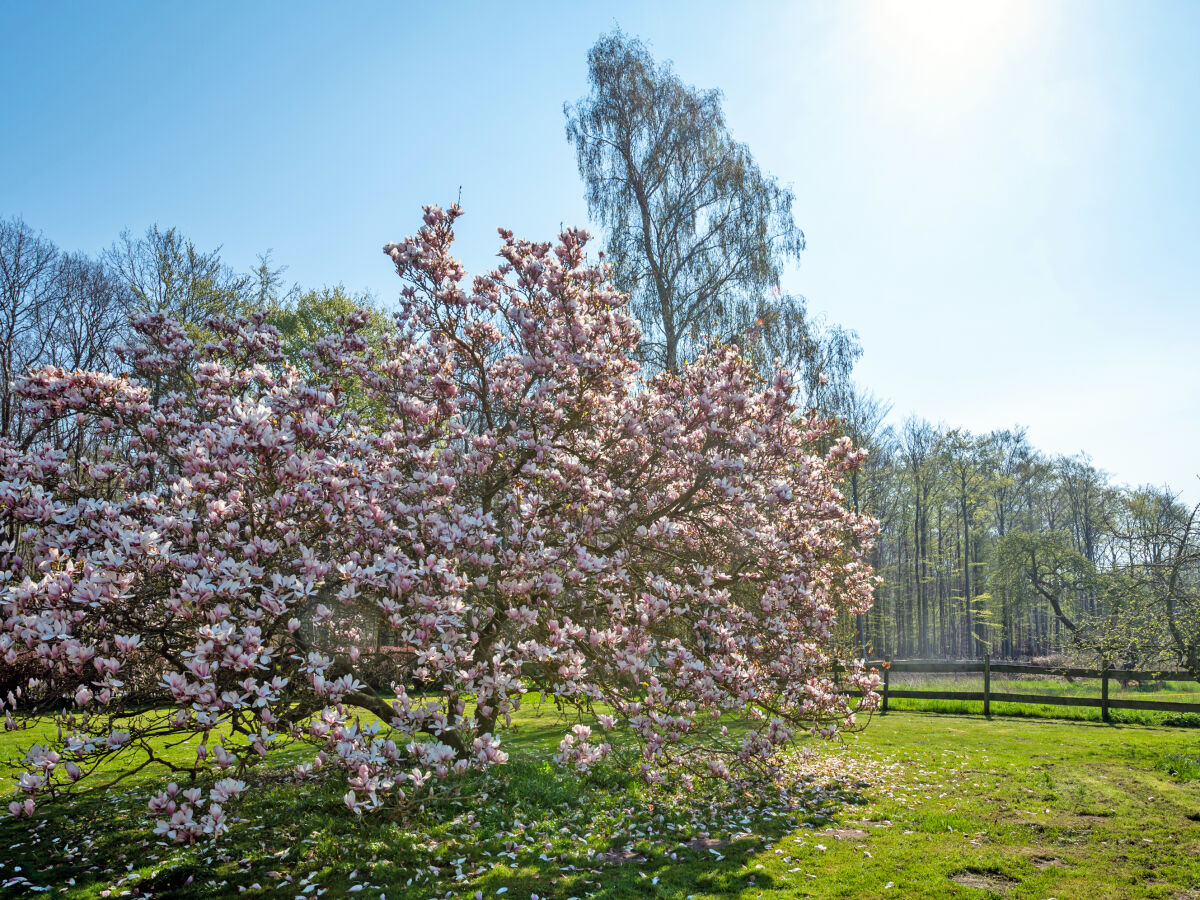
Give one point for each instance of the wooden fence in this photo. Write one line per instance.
(986, 667)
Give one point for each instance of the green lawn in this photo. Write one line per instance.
(955, 807)
(1171, 691)
(1182, 691)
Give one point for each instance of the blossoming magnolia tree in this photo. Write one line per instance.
(491, 502)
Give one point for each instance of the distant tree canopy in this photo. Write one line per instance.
(72, 311)
(306, 316)
(163, 272)
(697, 233)
(988, 545)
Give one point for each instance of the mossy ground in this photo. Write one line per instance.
(956, 806)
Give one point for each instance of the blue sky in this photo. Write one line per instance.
(1003, 200)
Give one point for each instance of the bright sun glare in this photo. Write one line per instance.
(937, 53)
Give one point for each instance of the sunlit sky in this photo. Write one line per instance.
(1002, 200)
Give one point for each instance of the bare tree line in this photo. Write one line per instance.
(991, 546)
(70, 310)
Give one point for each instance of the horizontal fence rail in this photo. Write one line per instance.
(986, 667)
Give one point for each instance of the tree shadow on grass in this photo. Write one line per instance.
(528, 827)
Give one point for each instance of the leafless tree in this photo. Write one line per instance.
(92, 321)
(31, 306)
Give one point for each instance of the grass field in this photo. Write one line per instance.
(954, 807)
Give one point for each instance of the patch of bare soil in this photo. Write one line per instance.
(701, 843)
(621, 857)
(983, 881)
(1048, 862)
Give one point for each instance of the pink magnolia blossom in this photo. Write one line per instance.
(496, 498)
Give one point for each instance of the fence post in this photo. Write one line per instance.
(1104, 714)
(887, 667)
(987, 684)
